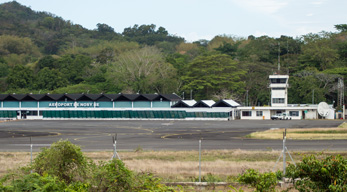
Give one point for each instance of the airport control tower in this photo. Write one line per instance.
(279, 90)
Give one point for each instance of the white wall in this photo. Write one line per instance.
(311, 114)
(279, 94)
(266, 115)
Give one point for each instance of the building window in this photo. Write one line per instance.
(247, 113)
(276, 88)
(277, 100)
(259, 113)
(279, 80)
(294, 113)
(30, 113)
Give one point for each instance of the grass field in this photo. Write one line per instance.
(180, 166)
(304, 134)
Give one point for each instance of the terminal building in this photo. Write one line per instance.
(111, 106)
(152, 106)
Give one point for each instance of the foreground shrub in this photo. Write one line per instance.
(63, 167)
(45, 183)
(313, 174)
(114, 176)
(63, 160)
(260, 181)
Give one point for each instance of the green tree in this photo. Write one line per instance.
(309, 84)
(143, 70)
(228, 48)
(341, 27)
(105, 56)
(319, 174)
(262, 182)
(208, 75)
(47, 61)
(147, 34)
(79, 88)
(17, 45)
(106, 32)
(263, 49)
(104, 28)
(179, 61)
(50, 79)
(4, 69)
(318, 52)
(258, 91)
(74, 67)
(63, 160)
(20, 77)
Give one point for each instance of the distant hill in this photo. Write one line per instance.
(51, 33)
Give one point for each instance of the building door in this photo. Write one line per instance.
(23, 114)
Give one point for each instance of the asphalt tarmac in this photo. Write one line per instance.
(96, 135)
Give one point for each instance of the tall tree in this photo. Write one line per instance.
(208, 75)
(50, 79)
(318, 52)
(144, 70)
(147, 34)
(341, 27)
(20, 77)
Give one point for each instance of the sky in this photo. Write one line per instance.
(203, 19)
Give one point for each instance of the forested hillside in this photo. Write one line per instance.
(41, 53)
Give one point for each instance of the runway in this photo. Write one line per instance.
(96, 135)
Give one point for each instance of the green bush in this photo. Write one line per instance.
(260, 181)
(63, 167)
(63, 160)
(114, 176)
(314, 174)
(45, 183)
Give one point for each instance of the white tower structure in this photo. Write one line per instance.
(279, 90)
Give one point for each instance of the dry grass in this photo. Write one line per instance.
(13, 160)
(170, 164)
(181, 166)
(176, 165)
(304, 134)
(343, 125)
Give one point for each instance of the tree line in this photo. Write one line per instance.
(41, 52)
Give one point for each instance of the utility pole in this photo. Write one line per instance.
(284, 151)
(114, 141)
(247, 98)
(313, 96)
(200, 161)
(279, 58)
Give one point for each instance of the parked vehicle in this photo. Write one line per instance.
(281, 116)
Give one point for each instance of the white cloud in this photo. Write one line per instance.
(264, 6)
(304, 30)
(260, 33)
(319, 2)
(194, 36)
(309, 14)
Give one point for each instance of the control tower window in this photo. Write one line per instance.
(278, 100)
(279, 80)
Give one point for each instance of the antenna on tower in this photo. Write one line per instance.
(279, 59)
(287, 58)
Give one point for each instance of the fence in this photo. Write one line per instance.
(131, 114)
